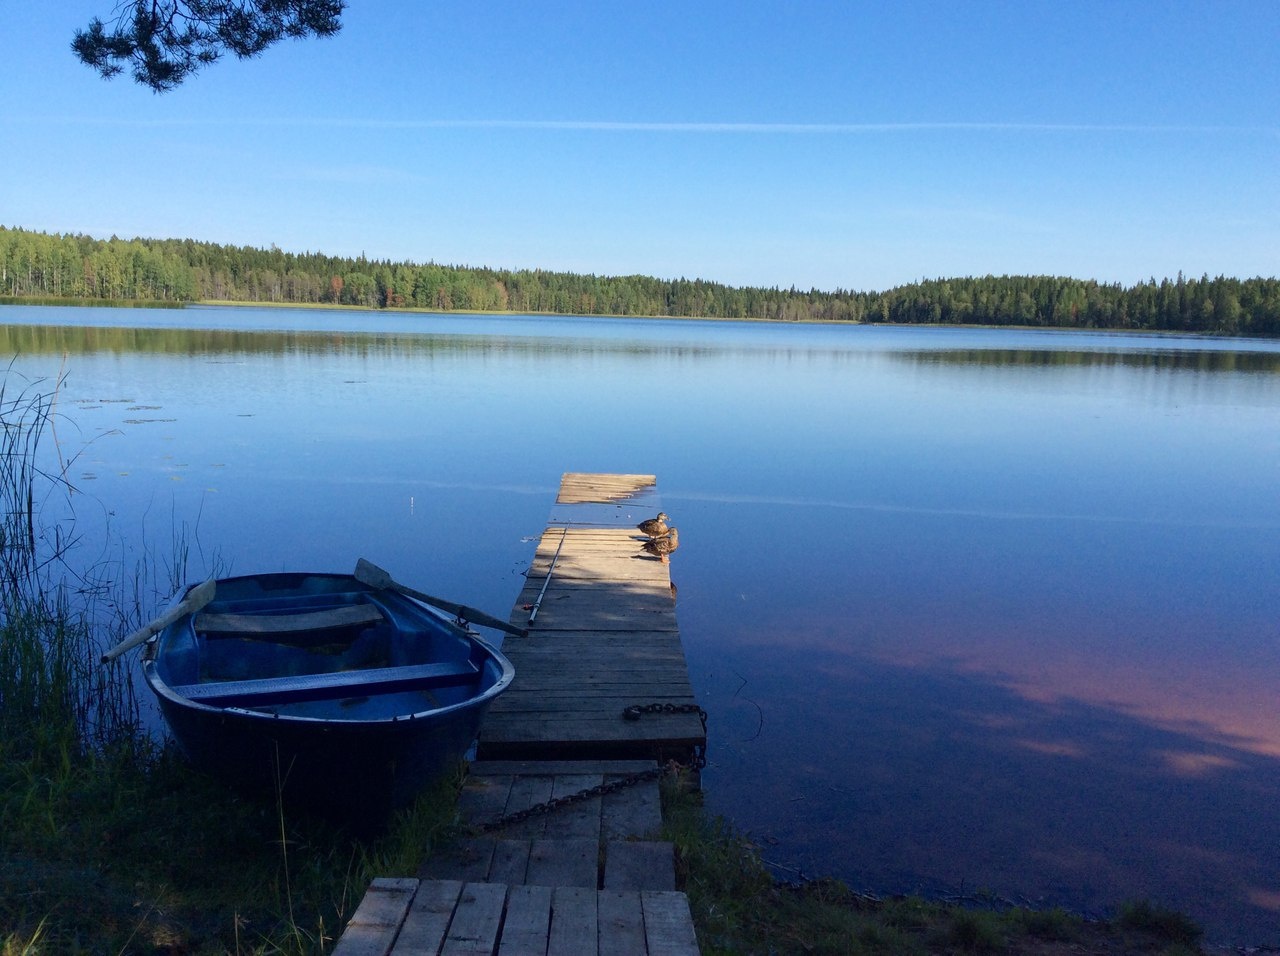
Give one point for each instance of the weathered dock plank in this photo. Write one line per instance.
(667, 924)
(376, 922)
(528, 922)
(603, 638)
(594, 488)
(452, 918)
(622, 822)
(620, 924)
(476, 920)
(633, 812)
(573, 922)
(586, 876)
(483, 770)
(615, 865)
(580, 819)
(510, 862)
(560, 863)
(427, 924)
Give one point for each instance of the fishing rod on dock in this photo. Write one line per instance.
(533, 611)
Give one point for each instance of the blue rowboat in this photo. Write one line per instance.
(343, 697)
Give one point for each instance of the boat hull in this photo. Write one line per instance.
(352, 721)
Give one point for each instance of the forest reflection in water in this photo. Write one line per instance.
(967, 607)
(1176, 360)
(355, 336)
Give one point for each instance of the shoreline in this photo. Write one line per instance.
(398, 310)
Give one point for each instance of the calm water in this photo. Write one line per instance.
(968, 609)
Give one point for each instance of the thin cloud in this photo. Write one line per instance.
(812, 128)
(611, 126)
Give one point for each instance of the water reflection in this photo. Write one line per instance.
(1180, 360)
(75, 340)
(1034, 800)
(967, 607)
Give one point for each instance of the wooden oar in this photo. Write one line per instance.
(196, 598)
(372, 575)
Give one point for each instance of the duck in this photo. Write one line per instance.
(662, 545)
(654, 527)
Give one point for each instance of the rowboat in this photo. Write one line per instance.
(337, 694)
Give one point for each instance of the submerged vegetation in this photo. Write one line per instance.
(35, 265)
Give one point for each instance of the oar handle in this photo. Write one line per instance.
(463, 611)
(537, 605)
(369, 573)
(196, 598)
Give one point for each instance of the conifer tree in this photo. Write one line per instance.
(163, 42)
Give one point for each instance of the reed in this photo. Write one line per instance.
(109, 841)
(56, 704)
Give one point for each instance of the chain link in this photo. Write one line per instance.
(634, 712)
(555, 803)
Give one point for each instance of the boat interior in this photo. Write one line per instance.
(320, 655)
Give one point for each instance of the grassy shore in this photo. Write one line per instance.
(111, 844)
(738, 908)
(112, 857)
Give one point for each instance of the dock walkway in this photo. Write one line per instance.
(588, 877)
(603, 638)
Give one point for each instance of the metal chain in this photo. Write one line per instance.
(555, 803)
(633, 712)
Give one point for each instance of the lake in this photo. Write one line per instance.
(971, 610)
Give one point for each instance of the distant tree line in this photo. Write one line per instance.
(43, 265)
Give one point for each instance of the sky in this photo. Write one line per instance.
(815, 144)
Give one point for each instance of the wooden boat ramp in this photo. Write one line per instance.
(601, 699)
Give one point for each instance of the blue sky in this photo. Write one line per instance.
(835, 145)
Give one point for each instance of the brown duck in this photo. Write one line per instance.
(662, 545)
(654, 527)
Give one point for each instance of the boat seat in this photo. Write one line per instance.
(345, 615)
(336, 684)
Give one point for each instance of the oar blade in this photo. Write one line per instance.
(196, 598)
(369, 573)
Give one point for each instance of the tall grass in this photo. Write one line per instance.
(55, 703)
(109, 842)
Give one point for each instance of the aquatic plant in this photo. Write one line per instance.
(109, 841)
(55, 703)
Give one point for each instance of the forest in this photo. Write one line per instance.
(44, 266)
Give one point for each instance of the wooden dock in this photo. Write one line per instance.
(589, 876)
(603, 639)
